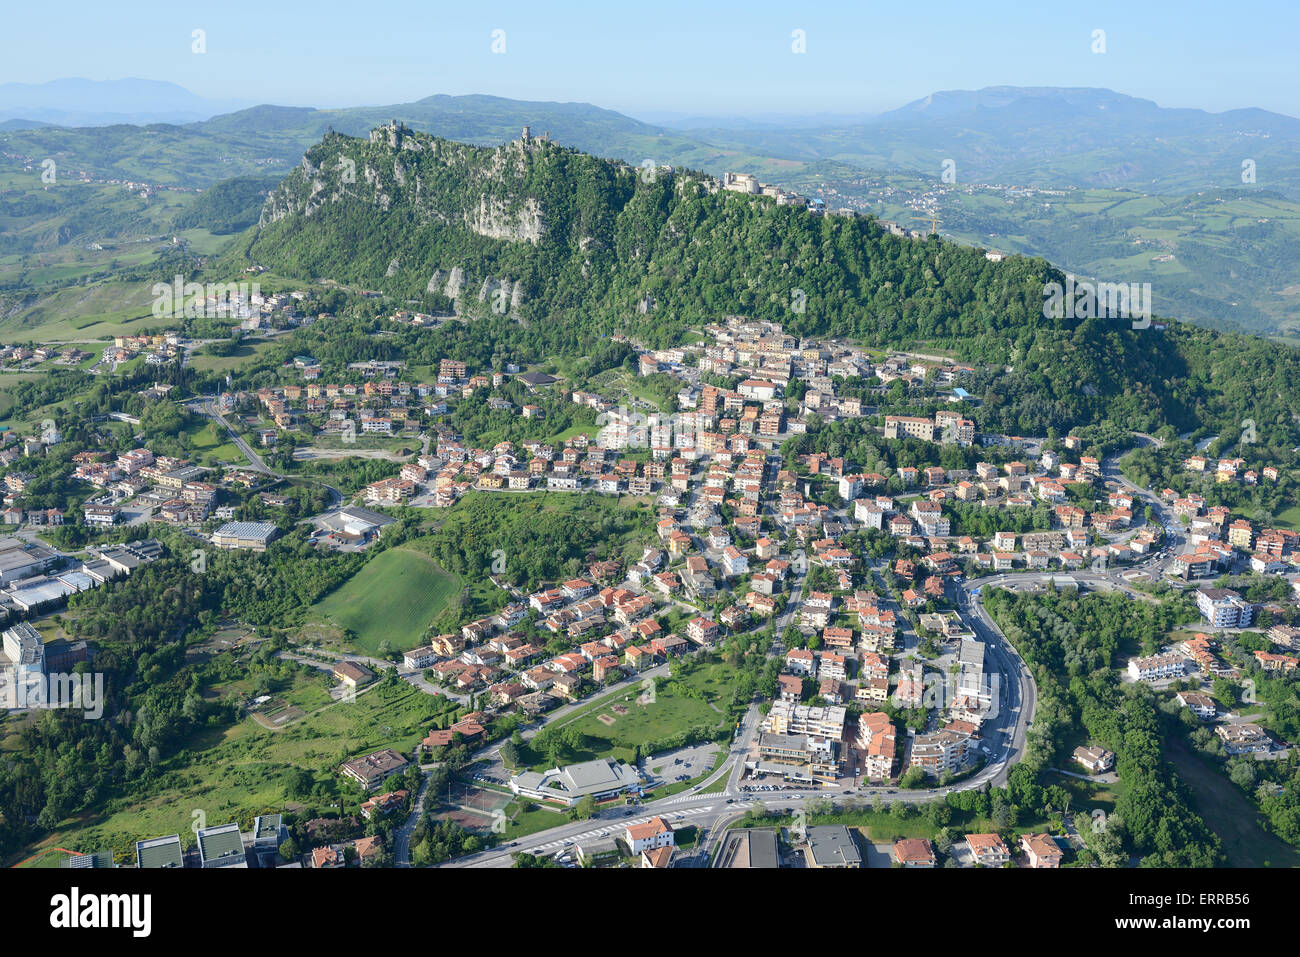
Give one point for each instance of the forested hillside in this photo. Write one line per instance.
(594, 247)
(229, 206)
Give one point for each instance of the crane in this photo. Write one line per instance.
(934, 222)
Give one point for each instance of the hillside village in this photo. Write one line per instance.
(881, 678)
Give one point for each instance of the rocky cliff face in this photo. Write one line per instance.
(519, 222)
(487, 190)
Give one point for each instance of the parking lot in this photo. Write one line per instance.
(684, 763)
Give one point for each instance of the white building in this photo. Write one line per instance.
(652, 834)
(1157, 667)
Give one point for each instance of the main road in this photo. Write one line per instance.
(207, 405)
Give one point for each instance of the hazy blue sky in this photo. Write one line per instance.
(696, 58)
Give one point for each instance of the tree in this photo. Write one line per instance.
(584, 810)
(1242, 774)
(289, 849)
(913, 777)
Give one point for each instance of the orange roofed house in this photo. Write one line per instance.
(654, 833)
(1041, 850)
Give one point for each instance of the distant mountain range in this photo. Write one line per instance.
(1037, 136)
(1043, 136)
(78, 102)
(1217, 245)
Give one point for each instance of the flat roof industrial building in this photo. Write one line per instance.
(833, 846)
(252, 535)
(749, 848)
(159, 852)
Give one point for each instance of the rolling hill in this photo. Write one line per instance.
(581, 247)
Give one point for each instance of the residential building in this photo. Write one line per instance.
(1244, 739)
(1094, 758)
(1041, 850)
(373, 769)
(1157, 667)
(1224, 608)
(915, 852)
(988, 850)
(651, 834)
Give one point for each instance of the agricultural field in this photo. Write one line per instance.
(77, 313)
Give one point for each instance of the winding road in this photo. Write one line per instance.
(207, 405)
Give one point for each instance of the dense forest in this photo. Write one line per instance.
(535, 538)
(229, 206)
(1071, 644)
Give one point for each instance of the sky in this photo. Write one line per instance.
(668, 57)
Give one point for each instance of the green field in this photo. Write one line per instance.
(246, 352)
(393, 598)
(1290, 518)
(675, 708)
(73, 312)
(212, 444)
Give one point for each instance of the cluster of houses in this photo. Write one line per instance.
(157, 348)
(1230, 470)
(834, 846)
(379, 402)
(372, 406)
(1200, 657)
(733, 430)
(174, 489)
(452, 468)
(982, 850)
(260, 311)
(1219, 540)
(20, 356)
(817, 743)
(164, 488)
(613, 632)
